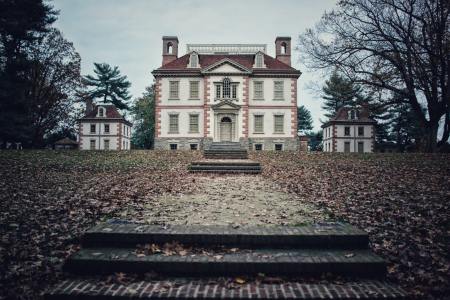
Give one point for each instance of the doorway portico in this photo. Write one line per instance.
(226, 122)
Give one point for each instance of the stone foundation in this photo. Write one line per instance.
(268, 144)
(290, 144)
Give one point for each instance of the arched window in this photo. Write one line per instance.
(352, 114)
(169, 48)
(101, 112)
(283, 48)
(226, 88)
(193, 60)
(259, 60)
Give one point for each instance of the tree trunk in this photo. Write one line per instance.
(446, 133)
(429, 142)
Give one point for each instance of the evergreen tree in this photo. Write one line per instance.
(108, 85)
(304, 119)
(21, 22)
(339, 92)
(143, 111)
(315, 140)
(405, 129)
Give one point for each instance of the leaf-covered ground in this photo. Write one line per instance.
(401, 200)
(47, 199)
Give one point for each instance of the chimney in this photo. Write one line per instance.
(283, 49)
(89, 105)
(170, 49)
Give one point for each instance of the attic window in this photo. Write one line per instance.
(352, 114)
(101, 112)
(193, 60)
(169, 48)
(259, 60)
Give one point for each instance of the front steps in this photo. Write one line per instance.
(192, 257)
(226, 166)
(225, 158)
(225, 151)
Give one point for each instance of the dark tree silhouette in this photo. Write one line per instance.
(304, 119)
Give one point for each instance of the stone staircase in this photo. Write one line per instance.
(225, 158)
(269, 262)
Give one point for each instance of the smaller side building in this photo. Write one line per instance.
(351, 130)
(65, 144)
(104, 128)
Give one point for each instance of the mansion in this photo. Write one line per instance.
(226, 93)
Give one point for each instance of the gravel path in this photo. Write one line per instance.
(227, 200)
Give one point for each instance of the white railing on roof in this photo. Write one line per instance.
(226, 48)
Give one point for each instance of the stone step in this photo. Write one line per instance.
(214, 289)
(324, 235)
(226, 162)
(225, 262)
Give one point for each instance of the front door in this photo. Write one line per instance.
(225, 129)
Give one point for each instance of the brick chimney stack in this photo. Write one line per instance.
(170, 49)
(283, 49)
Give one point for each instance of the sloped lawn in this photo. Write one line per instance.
(48, 198)
(401, 200)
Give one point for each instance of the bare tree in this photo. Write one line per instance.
(402, 46)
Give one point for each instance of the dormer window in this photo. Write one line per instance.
(101, 112)
(352, 114)
(259, 60)
(193, 60)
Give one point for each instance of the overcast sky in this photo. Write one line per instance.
(127, 33)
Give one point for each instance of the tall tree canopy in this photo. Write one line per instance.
(304, 119)
(338, 92)
(21, 24)
(108, 85)
(143, 112)
(400, 46)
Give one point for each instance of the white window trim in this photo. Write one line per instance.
(178, 123)
(198, 90)
(263, 65)
(262, 146)
(178, 90)
(274, 123)
(262, 90)
(190, 60)
(254, 123)
(101, 108)
(198, 122)
(275, 91)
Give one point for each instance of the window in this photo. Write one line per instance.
(258, 147)
(360, 147)
(173, 123)
(193, 60)
(346, 147)
(169, 48)
(226, 88)
(106, 144)
(106, 128)
(259, 124)
(258, 89)
(278, 147)
(347, 131)
(218, 91)
(361, 131)
(352, 115)
(278, 89)
(93, 128)
(173, 89)
(259, 61)
(279, 123)
(194, 146)
(193, 89)
(234, 91)
(283, 48)
(173, 146)
(193, 123)
(92, 144)
(101, 112)
(123, 145)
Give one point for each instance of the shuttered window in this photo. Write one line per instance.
(279, 123)
(278, 89)
(193, 123)
(173, 89)
(259, 123)
(258, 89)
(173, 123)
